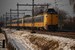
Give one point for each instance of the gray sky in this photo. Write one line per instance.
(5, 5)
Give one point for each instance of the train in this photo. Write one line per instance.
(48, 20)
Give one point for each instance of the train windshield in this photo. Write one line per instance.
(51, 11)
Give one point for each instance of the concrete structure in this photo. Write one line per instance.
(24, 40)
(2, 42)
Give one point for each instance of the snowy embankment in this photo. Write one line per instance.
(25, 40)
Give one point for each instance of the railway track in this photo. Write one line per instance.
(63, 33)
(67, 34)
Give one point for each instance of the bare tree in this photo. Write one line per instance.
(62, 16)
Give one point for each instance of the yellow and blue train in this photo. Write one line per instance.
(48, 20)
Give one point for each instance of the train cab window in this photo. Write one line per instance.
(51, 11)
(20, 21)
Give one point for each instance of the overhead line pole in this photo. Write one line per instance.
(33, 17)
(6, 19)
(17, 16)
(0, 18)
(3, 18)
(10, 18)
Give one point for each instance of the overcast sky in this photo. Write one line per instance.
(5, 5)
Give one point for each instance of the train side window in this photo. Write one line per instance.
(24, 20)
(38, 19)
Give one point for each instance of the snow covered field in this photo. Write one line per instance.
(24, 40)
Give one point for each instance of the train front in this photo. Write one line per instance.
(51, 19)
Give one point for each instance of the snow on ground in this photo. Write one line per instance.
(25, 40)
